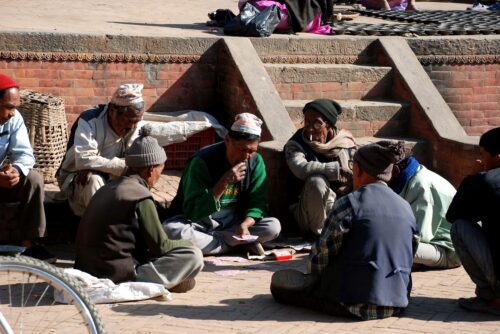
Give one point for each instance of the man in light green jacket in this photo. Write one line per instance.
(429, 195)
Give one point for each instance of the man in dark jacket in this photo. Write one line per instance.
(478, 245)
(361, 264)
(120, 235)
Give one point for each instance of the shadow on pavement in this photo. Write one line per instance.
(258, 308)
(264, 308)
(443, 310)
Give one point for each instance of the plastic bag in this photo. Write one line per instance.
(264, 24)
(252, 23)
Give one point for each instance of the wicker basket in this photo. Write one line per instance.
(45, 118)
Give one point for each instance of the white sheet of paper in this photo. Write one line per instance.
(247, 237)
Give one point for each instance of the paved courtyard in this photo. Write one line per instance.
(233, 297)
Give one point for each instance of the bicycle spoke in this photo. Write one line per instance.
(27, 285)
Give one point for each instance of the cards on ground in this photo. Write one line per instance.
(246, 237)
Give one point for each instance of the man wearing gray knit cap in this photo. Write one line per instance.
(120, 235)
(361, 265)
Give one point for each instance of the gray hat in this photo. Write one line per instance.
(377, 159)
(145, 150)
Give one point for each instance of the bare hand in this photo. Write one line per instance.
(235, 174)
(83, 177)
(478, 166)
(9, 177)
(242, 230)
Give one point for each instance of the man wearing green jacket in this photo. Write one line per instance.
(429, 195)
(120, 236)
(222, 195)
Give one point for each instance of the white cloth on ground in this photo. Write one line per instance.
(103, 290)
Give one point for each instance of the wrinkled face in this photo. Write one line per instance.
(316, 127)
(8, 104)
(155, 175)
(488, 160)
(239, 150)
(124, 119)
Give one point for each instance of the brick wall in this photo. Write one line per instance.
(167, 87)
(452, 160)
(472, 92)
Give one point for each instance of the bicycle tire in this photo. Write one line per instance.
(49, 276)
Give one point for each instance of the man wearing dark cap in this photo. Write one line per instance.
(361, 264)
(475, 232)
(19, 183)
(120, 236)
(320, 157)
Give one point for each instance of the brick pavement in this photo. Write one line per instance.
(243, 304)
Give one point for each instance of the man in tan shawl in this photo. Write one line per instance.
(320, 156)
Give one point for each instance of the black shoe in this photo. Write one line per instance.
(40, 253)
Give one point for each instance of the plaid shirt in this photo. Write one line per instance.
(338, 223)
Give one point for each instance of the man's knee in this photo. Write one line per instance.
(197, 261)
(316, 183)
(34, 180)
(458, 229)
(95, 182)
(192, 258)
(273, 227)
(175, 229)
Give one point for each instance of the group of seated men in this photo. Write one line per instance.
(373, 212)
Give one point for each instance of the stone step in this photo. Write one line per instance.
(362, 118)
(337, 81)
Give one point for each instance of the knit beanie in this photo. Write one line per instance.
(145, 150)
(377, 159)
(6, 82)
(490, 141)
(328, 108)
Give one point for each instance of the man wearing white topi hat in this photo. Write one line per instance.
(222, 195)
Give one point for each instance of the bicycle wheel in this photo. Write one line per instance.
(27, 300)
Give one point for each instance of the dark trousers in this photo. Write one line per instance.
(309, 295)
(29, 217)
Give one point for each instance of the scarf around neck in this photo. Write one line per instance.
(405, 175)
(343, 139)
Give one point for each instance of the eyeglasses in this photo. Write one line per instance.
(316, 124)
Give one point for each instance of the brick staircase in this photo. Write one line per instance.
(370, 111)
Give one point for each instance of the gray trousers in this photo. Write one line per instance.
(30, 217)
(475, 254)
(434, 256)
(79, 196)
(315, 203)
(172, 268)
(217, 239)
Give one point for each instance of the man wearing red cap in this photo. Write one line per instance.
(18, 182)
